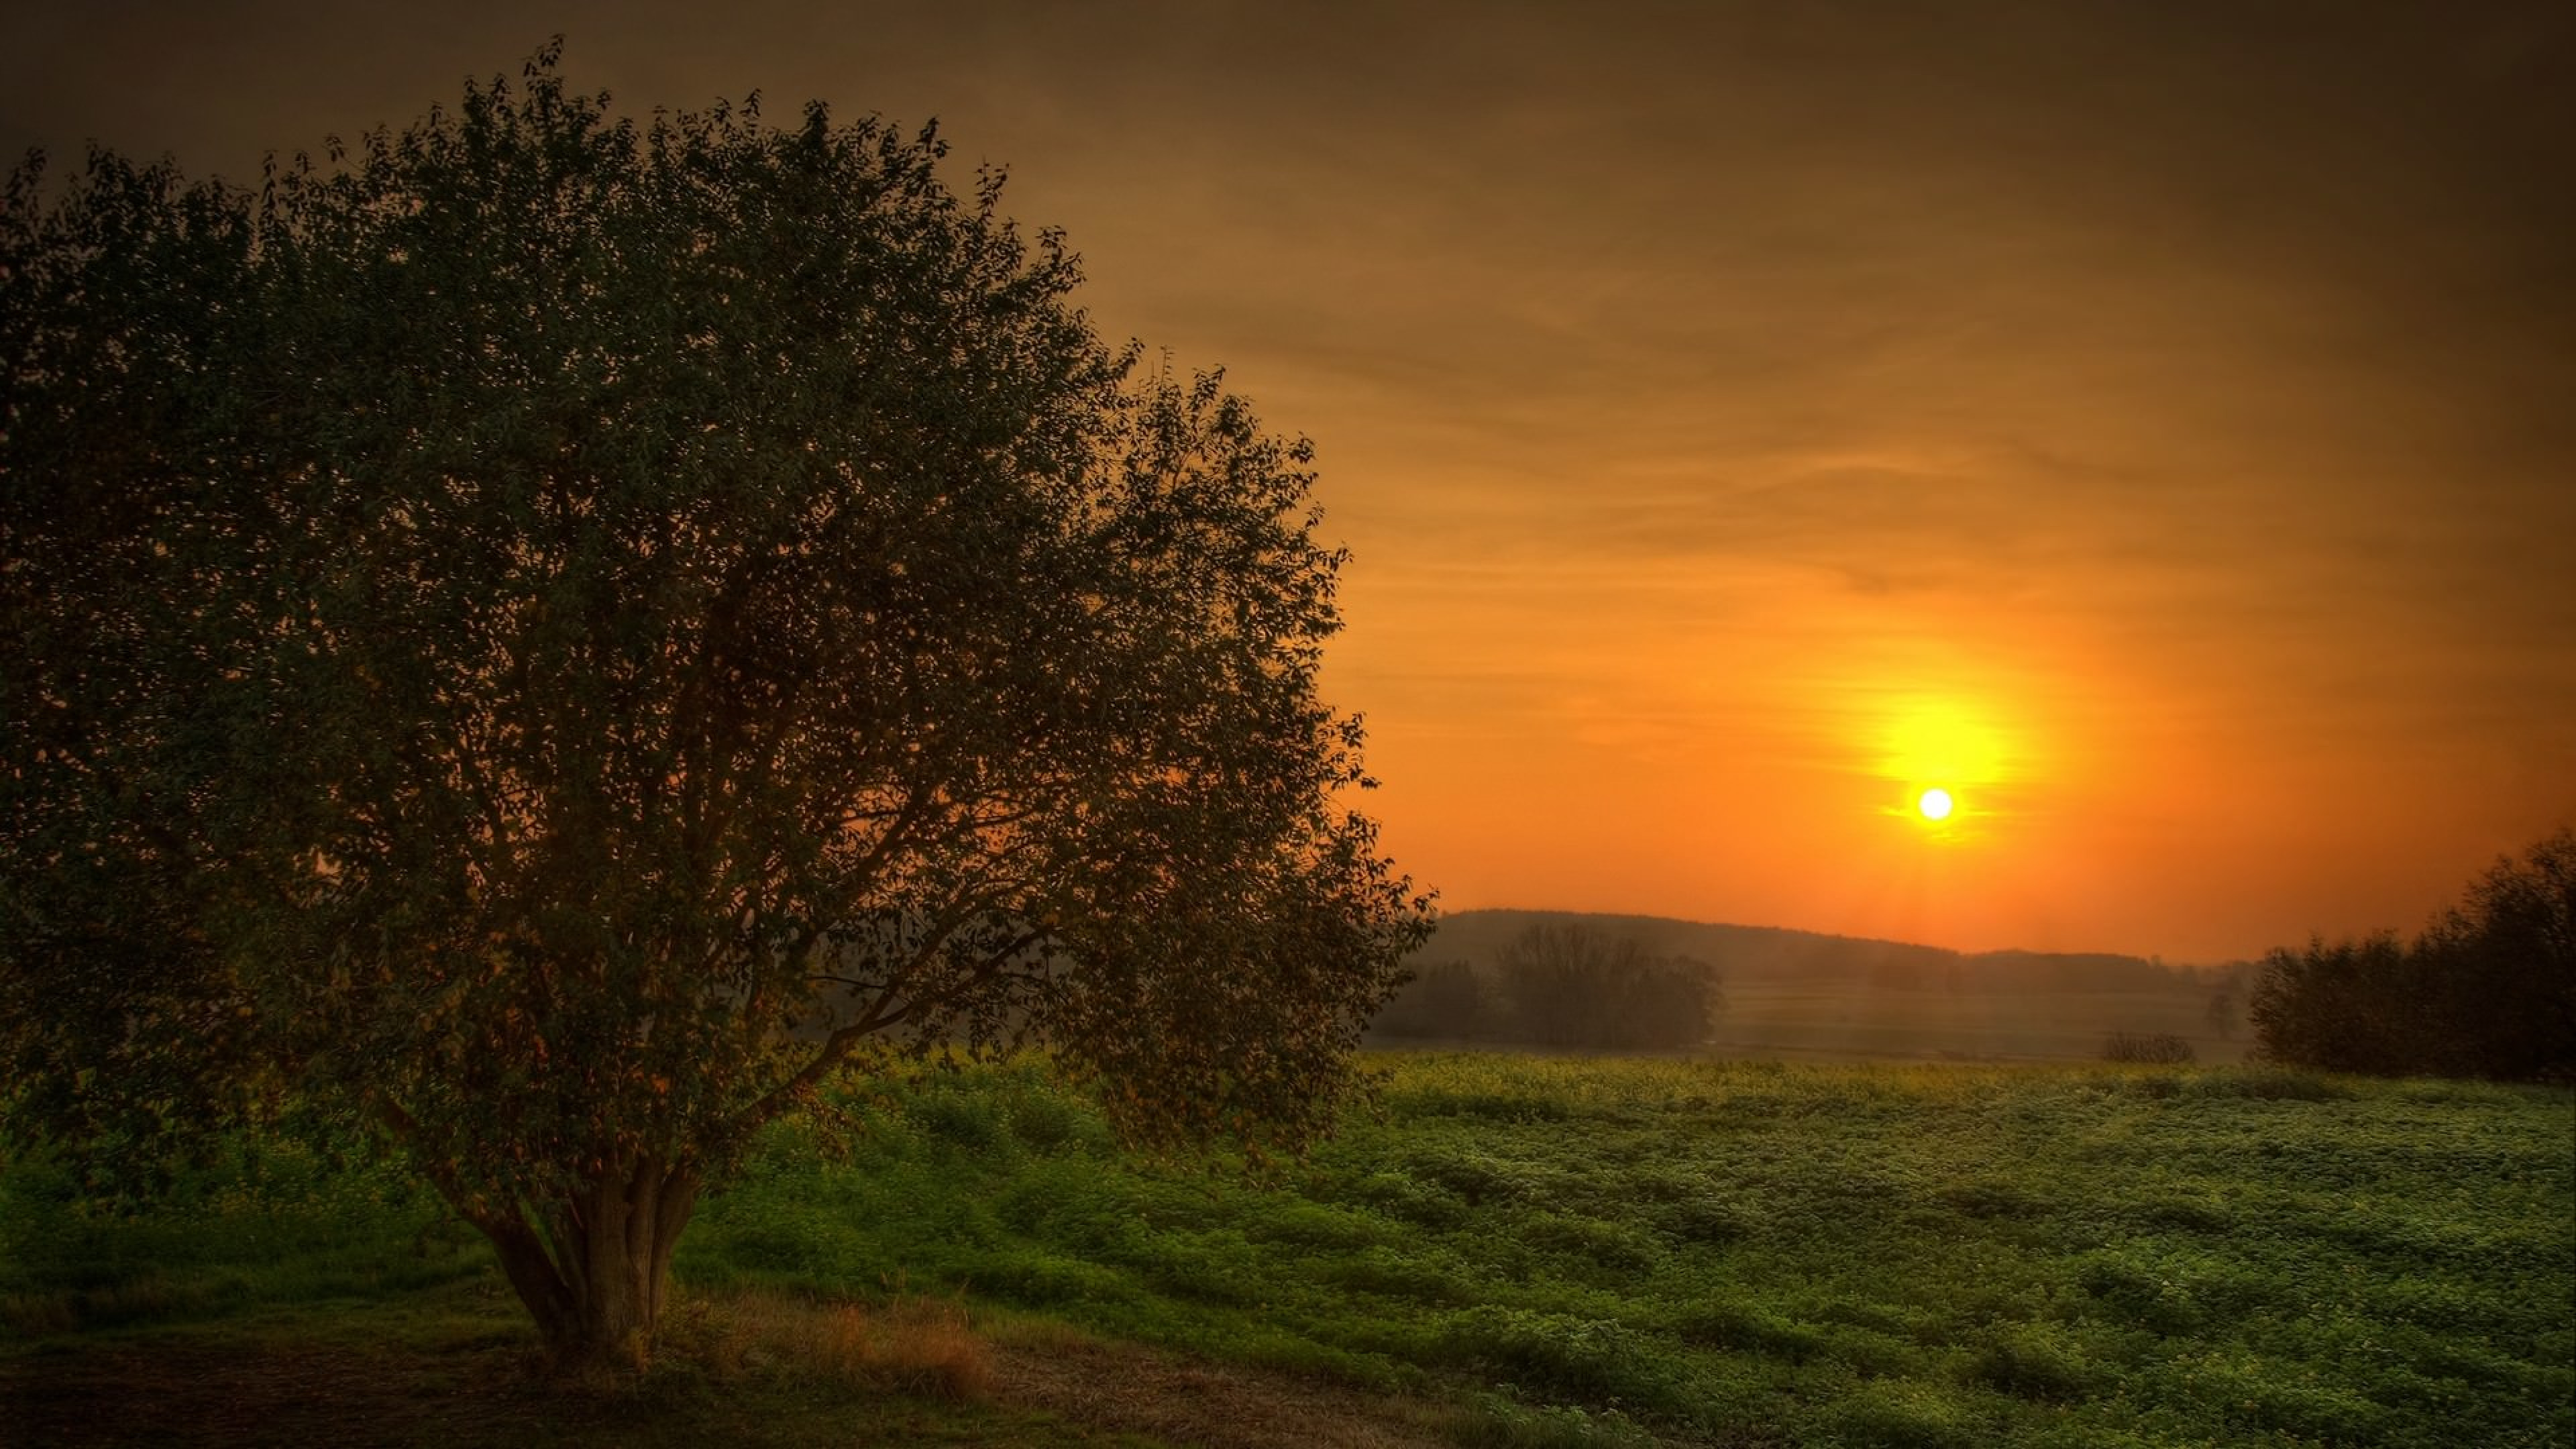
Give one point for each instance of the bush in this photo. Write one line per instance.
(2348, 1006)
(2488, 990)
(2159, 1048)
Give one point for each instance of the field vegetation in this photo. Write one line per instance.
(1539, 1251)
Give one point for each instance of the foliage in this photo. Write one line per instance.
(1947, 1255)
(2346, 1006)
(2505, 961)
(2487, 990)
(558, 635)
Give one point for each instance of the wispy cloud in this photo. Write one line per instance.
(2183, 387)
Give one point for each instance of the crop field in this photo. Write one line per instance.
(1548, 1251)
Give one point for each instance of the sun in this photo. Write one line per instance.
(1935, 804)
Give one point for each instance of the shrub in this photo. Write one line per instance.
(2488, 989)
(2160, 1048)
(2339, 1007)
(1045, 1123)
(956, 1117)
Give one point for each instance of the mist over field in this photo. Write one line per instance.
(1801, 995)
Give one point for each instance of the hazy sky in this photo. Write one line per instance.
(2155, 423)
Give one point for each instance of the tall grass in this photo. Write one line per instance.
(920, 1346)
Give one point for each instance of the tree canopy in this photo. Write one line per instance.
(560, 634)
(2488, 989)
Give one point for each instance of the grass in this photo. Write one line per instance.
(1559, 1252)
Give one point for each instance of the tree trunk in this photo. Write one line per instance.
(594, 1267)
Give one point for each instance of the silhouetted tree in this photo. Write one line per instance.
(2502, 967)
(2348, 1006)
(1443, 999)
(560, 636)
(1576, 985)
(2489, 989)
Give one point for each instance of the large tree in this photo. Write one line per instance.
(562, 635)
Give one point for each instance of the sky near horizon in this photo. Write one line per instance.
(2153, 424)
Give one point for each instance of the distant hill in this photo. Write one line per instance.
(1803, 995)
(1753, 955)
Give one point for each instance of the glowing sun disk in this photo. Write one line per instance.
(1935, 804)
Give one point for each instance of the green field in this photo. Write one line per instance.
(1567, 1252)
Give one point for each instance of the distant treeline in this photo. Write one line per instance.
(1561, 984)
(2487, 990)
(1764, 953)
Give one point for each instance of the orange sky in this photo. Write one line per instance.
(2156, 426)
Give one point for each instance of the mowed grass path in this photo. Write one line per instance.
(1608, 1251)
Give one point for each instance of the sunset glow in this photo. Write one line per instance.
(1746, 420)
(1940, 739)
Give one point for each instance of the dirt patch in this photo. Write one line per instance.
(1215, 1407)
(325, 1383)
(179, 1395)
